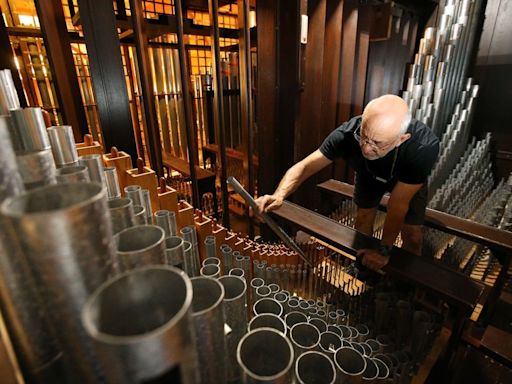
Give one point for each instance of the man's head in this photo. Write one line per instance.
(384, 126)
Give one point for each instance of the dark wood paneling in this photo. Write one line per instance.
(152, 130)
(309, 117)
(103, 48)
(361, 64)
(58, 49)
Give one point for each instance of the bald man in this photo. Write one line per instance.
(390, 152)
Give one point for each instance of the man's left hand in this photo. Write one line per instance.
(372, 258)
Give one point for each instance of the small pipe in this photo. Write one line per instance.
(189, 261)
(210, 270)
(255, 284)
(94, 164)
(134, 192)
(314, 367)
(121, 213)
(363, 332)
(189, 234)
(72, 174)
(293, 304)
(174, 254)
(265, 356)
(167, 221)
(63, 145)
(237, 272)
(227, 257)
(210, 246)
(112, 182)
(146, 203)
(211, 260)
(139, 246)
(262, 291)
(139, 215)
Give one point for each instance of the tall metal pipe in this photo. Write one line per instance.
(265, 356)
(28, 131)
(350, 365)
(134, 192)
(189, 234)
(156, 342)
(255, 284)
(304, 337)
(208, 320)
(94, 164)
(167, 221)
(146, 203)
(210, 246)
(56, 228)
(267, 320)
(189, 261)
(63, 145)
(121, 213)
(139, 246)
(235, 301)
(72, 174)
(314, 367)
(174, 254)
(112, 182)
(227, 258)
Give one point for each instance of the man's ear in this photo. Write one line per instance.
(404, 138)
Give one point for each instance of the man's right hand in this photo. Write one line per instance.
(268, 203)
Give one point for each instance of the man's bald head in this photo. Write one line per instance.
(385, 120)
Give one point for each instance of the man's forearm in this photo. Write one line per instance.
(393, 224)
(290, 181)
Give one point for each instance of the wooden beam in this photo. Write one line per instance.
(104, 51)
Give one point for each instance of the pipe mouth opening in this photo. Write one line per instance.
(234, 286)
(52, 198)
(371, 371)
(280, 297)
(304, 335)
(350, 361)
(211, 261)
(383, 368)
(314, 367)
(236, 272)
(319, 324)
(210, 270)
(265, 354)
(119, 202)
(142, 296)
(330, 342)
(257, 282)
(173, 242)
(334, 329)
(139, 238)
(163, 213)
(293, 318)
(208, 293)
(138, 210)
(267, 320)
(263, 290)
(267, 305)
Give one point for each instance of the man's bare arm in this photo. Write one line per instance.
(292, 179)
(398, 205)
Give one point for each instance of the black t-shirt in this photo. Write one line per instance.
(413, 159)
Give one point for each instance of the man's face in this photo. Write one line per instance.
(374, 143)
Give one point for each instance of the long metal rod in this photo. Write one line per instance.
(213, 7)
(267, 219)
(191, 140)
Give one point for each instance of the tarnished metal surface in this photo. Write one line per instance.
(94, 164)
(65, 233)
(134, 192)
(10, 180)
(265, 356)
(157, 341)
(208, 320)
(37, 169)
(139, 246)
(146, 203)
(235, 301)
(73, 174)
(121, 214)
(167, 221)
(174, 254)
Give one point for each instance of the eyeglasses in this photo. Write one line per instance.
(362, 141)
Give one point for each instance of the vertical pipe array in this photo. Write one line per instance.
(65, 233)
